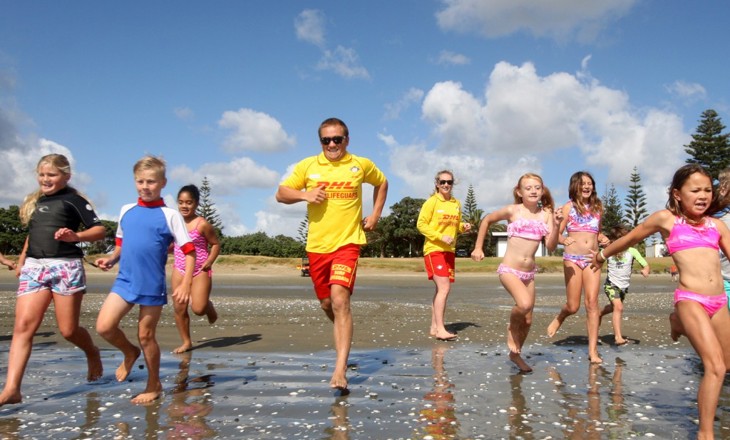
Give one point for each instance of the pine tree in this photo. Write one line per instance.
(635, 201)
(710, 147)
(303, 230)
(206, 208)
(612, 211)
(470, 213)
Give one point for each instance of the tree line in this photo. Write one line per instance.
(396, 235)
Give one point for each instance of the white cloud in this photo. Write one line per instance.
(451, 58)
(229, 177)
(344, 62)
(560, 19)
(409, 98)
(309, 27)
(184, 113)
(687, 90)
(524, 117)
(254, 131)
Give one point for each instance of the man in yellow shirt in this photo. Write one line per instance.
(331, 184)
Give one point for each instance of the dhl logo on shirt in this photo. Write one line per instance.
(336, 185)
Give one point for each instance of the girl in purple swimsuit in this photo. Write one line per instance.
(207, 248)
(531, 220)
(693, 237)
(582, 221)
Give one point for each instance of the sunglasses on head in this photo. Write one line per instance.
(336, 139)
(446, 182)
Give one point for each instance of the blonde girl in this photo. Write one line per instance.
(530, 221)
(51, 269)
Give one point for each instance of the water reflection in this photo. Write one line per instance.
(439, 413)
(340, 429)
(190, 405)
(519, 411)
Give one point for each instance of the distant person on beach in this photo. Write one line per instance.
(582, 221)
(724, 215)
(674, 272)
(207, 248)
(146, 230)
(693, 239)
(52, 269)
(618, 280)
(531, 220)
(440, 221)
(9, 263)
(331, 185)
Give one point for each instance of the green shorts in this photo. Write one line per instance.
(613, 292)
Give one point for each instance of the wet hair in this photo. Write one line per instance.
(57, 161)
(546, 200)
(333, 121)
(436, 179)
(594, 202)
(680, 177)
(153, 163)
(192, 190)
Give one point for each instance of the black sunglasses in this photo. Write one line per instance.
(336, 139)
(446, 182)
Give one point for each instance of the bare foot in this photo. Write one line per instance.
(183, 348)
(212, 314)
(96, 368)
(10, 397)
(513, 348)
(620, 341)
(148, 396)
(521, 364)
(338, 381)
(126, 366)
(444, 336)
(595, 359)
(675, 325)
(553, 327)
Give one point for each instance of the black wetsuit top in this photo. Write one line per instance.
(62, 209)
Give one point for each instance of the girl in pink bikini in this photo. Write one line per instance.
(693, 238)
(582, 221)
(207, 248)
(530, 221)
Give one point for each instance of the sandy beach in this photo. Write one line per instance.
(262, 370)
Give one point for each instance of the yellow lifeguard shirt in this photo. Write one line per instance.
(439, 217)
(338, 220)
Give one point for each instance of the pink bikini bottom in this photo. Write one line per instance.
(711, 303)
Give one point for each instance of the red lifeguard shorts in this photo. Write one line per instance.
(440, 264)
(338, 267)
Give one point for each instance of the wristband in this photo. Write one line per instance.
(602, 256)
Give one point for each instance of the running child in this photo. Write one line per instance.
(52, 269)
(530, 221)
(618, 280)
(207, 248)
(693, 239)
(582, 220)
(439, 220)
(146, 230)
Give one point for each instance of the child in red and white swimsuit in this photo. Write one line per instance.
(700, 304)
(531, 220)
(207, 248)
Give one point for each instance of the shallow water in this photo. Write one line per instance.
(450, 391)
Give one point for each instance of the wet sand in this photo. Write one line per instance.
(262, 371)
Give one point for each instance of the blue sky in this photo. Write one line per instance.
(235, 91)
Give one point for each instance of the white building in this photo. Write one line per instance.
(501, 238)
(655, 250)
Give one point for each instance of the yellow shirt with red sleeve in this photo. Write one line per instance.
(338, 220)
(439, 217)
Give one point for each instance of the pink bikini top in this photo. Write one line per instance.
(527, 229)
(578, 222)
(686, 236)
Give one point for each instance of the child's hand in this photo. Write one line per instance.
(104, 263)
(595, 264)
(558, 216)
(646, 271)
(67, 235)
(477, 255)
(181, 295)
